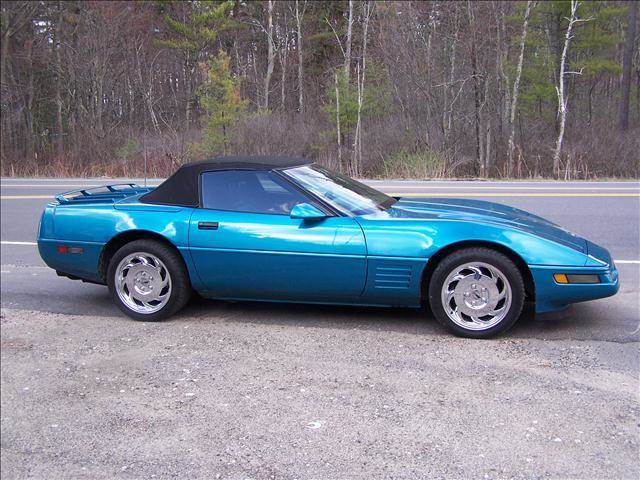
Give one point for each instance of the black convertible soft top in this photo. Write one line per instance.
(181, 188)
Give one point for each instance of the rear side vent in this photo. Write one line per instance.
(393, 275)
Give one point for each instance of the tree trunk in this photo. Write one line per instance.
(300, 65)
(339, 135)
(562, 101)
(449, 92)
(356, 135)
(99, 102)
(72, 82)
(357, 141)
(476, 92)
(487, 150)
(4, 56)
(270, 55)
(283, 56)
(186, 84)
(58, 84)
(504, 85)
(623, 121)
(516, 89)
(283, 68)
(590, 103)
(347, 54)
(30, 131)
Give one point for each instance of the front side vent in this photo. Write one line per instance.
(395, 276)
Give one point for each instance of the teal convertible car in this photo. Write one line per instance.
(285, 229)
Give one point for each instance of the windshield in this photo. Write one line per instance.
(340, 191)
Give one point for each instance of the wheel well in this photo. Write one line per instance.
(529, 285)
(122, 239)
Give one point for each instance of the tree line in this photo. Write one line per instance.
(373, 88)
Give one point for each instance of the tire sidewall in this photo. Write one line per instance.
(180, 284)
(484, 255)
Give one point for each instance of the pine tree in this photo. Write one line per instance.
(195, 36)
(220, 97)
(198, 32)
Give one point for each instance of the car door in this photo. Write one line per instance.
(245, 245)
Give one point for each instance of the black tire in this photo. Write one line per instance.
(487, 256)
(181, 285)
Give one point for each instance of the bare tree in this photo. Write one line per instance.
(562, 100)
(13, 22)
(502, 52)
(516, 89)
(476, 87)
(630, 41)
(361, 70)
(271, 56)
(58, 81)
(283, 56)
(347, 54)
(299, 17)
(339, 135)
(448, 106)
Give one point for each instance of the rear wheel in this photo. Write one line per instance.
(148, 280)
(476, 293)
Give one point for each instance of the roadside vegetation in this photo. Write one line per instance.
(429, 89)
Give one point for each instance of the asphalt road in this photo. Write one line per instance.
(249, 390)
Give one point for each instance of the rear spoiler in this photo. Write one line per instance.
(104, 194)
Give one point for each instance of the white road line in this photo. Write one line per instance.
(47, 185)
(488, 187)
(498, 182)
(489, 194)
(6, 242)
(67, 186)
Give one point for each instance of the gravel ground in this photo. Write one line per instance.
(258, 392)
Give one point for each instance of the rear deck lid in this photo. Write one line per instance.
(104, 194)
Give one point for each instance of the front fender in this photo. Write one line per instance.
(423, 239)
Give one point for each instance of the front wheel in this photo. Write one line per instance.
(476, 293)
(148, 280)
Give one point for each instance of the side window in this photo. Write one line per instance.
(248, 191)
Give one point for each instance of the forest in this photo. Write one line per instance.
(402, 89)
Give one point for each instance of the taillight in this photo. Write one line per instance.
(67, 249)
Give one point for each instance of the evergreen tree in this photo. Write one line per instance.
(195, 35)
(219, 95)
(198, 31)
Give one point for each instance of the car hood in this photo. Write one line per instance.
(477, 211)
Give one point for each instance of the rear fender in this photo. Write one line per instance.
(92, 227)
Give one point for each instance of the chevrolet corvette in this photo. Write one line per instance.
(288, 230)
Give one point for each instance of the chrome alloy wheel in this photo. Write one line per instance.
(143, 282)
(476, 296)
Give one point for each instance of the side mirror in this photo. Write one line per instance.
(305, 211)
